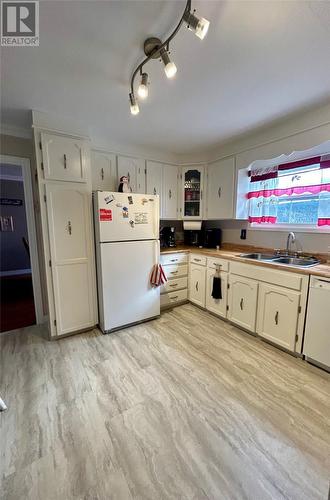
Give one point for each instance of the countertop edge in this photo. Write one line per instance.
(322, 270)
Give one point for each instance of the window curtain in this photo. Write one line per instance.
(324, 199)
(262, 203)
(289, 179)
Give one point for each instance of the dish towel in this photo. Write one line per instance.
(216, 288)
(157, 277)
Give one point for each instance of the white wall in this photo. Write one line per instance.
(308, 242)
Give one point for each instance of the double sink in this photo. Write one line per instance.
(284, 259)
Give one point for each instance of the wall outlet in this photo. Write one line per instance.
(243, 234)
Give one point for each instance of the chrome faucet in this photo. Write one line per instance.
(291, 239)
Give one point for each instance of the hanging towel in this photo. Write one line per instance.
(216, 289)
(157, 276)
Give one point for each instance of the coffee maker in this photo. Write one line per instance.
(192, 233)
(167, 237)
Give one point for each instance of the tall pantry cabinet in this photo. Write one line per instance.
(65, 193)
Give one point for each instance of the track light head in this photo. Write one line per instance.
(170, 68)
(199, 25)
(133, 104)
(143, 87)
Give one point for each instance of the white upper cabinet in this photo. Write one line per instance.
(64, 158)
(192, 192)
(103, 166)
(220, 188)
(154, 178)
(170, 192)
(134, 169)
(278, 312)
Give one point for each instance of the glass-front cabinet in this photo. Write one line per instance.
(192, 183)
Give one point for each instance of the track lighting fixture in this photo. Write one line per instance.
(199, 26)
(156, 49)
(143, 87)
(134, 105)
(170, 68)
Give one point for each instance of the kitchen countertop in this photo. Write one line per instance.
(232, 254)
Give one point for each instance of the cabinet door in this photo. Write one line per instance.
(69, 222)
(220, 180)
(134, 169)
(103, 166)
(197, 284)
(278, 312)
(192, 192)
(217, 306)
(243, 293)
(64, 158)
(170, 192)
(154, 178)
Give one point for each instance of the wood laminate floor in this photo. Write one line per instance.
(183, 407)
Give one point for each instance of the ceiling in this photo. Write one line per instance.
(260, 61)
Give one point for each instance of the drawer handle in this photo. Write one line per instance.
(241, 304)
(174, 260)
(217, 265)
(197, 260)
(174, 284)
(276, 318)
(174, 272)
(196, 286)
(175, 297)
(64, 159)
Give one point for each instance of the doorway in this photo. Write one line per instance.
(21, 303)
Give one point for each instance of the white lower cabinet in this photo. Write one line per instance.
(278, 311)
(242, 301)
(197, 278)
(217, 306)
(175, 290)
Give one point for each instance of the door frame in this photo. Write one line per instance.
(24, 163)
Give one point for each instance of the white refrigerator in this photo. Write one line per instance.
(127, 247)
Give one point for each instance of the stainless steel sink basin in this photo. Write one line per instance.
(284, 259)
(259, 256)
(297, 261)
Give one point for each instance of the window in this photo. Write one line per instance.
(296, 193)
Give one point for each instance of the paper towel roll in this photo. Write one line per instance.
(192, 225)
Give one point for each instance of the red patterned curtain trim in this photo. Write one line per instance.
(266, 193)
(325, 221)
(300, 163)
(264, 218)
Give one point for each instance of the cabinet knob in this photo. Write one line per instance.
(64, 160)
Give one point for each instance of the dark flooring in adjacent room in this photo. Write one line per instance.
(17, 302)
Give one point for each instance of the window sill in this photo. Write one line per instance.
(289, 227)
